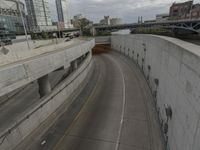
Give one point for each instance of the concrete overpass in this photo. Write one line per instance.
(21, 68)
(59, 33)
(143, 94)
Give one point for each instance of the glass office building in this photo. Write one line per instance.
(39, 15)
(10, 18)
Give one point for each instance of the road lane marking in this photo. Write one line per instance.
(79, 114)
(124, 103)
(141, 86)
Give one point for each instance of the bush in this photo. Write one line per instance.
(33, 36)
(44, 35)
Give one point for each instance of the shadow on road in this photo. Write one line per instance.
(101, 48)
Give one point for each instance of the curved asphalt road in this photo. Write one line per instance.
(118, 112)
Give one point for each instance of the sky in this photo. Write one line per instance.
(128, 10)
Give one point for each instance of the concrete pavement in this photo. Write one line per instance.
(117, 114)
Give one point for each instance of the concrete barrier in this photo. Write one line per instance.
(31, 119)
(102, 40)
(26, 67)
(33, 44)
(172, 69)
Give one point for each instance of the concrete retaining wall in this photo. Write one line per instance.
(37, 114)
(176, 65)
(102, 40)
(34, 44)
(32, 65)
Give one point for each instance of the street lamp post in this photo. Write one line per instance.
(23, 24)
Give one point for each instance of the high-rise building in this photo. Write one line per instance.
(63, 12)
(77, 20)
(105, 21)
(10, 17)
(39, 15)
(110, 21)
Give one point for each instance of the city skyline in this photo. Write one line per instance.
(89, 8)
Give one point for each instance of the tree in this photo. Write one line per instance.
(44, 35)
(83, 24)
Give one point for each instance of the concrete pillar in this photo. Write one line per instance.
(44, 85)
(93, 31)
(74, 65)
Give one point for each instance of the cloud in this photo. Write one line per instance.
(128, 10)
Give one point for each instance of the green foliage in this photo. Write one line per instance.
(33, 36)
(44, 35)
(82, 23)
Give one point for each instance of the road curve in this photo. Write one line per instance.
(118, 113)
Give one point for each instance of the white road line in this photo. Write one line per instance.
(124, 103)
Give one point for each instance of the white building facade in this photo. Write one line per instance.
(110, 21)
(63, 12)
(116, 21)
(105, 21)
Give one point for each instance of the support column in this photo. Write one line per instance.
(74, 65)
(44, 85)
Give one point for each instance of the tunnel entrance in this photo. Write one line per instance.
(101, 48)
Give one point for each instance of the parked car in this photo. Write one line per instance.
(5, 41)
(77, 34)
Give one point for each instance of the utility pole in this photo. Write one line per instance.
(191, 10)
(23, 24)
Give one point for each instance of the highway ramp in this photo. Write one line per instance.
(113, 112)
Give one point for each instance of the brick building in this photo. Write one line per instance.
(195, 13)
(185, 10)
(180, 10)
